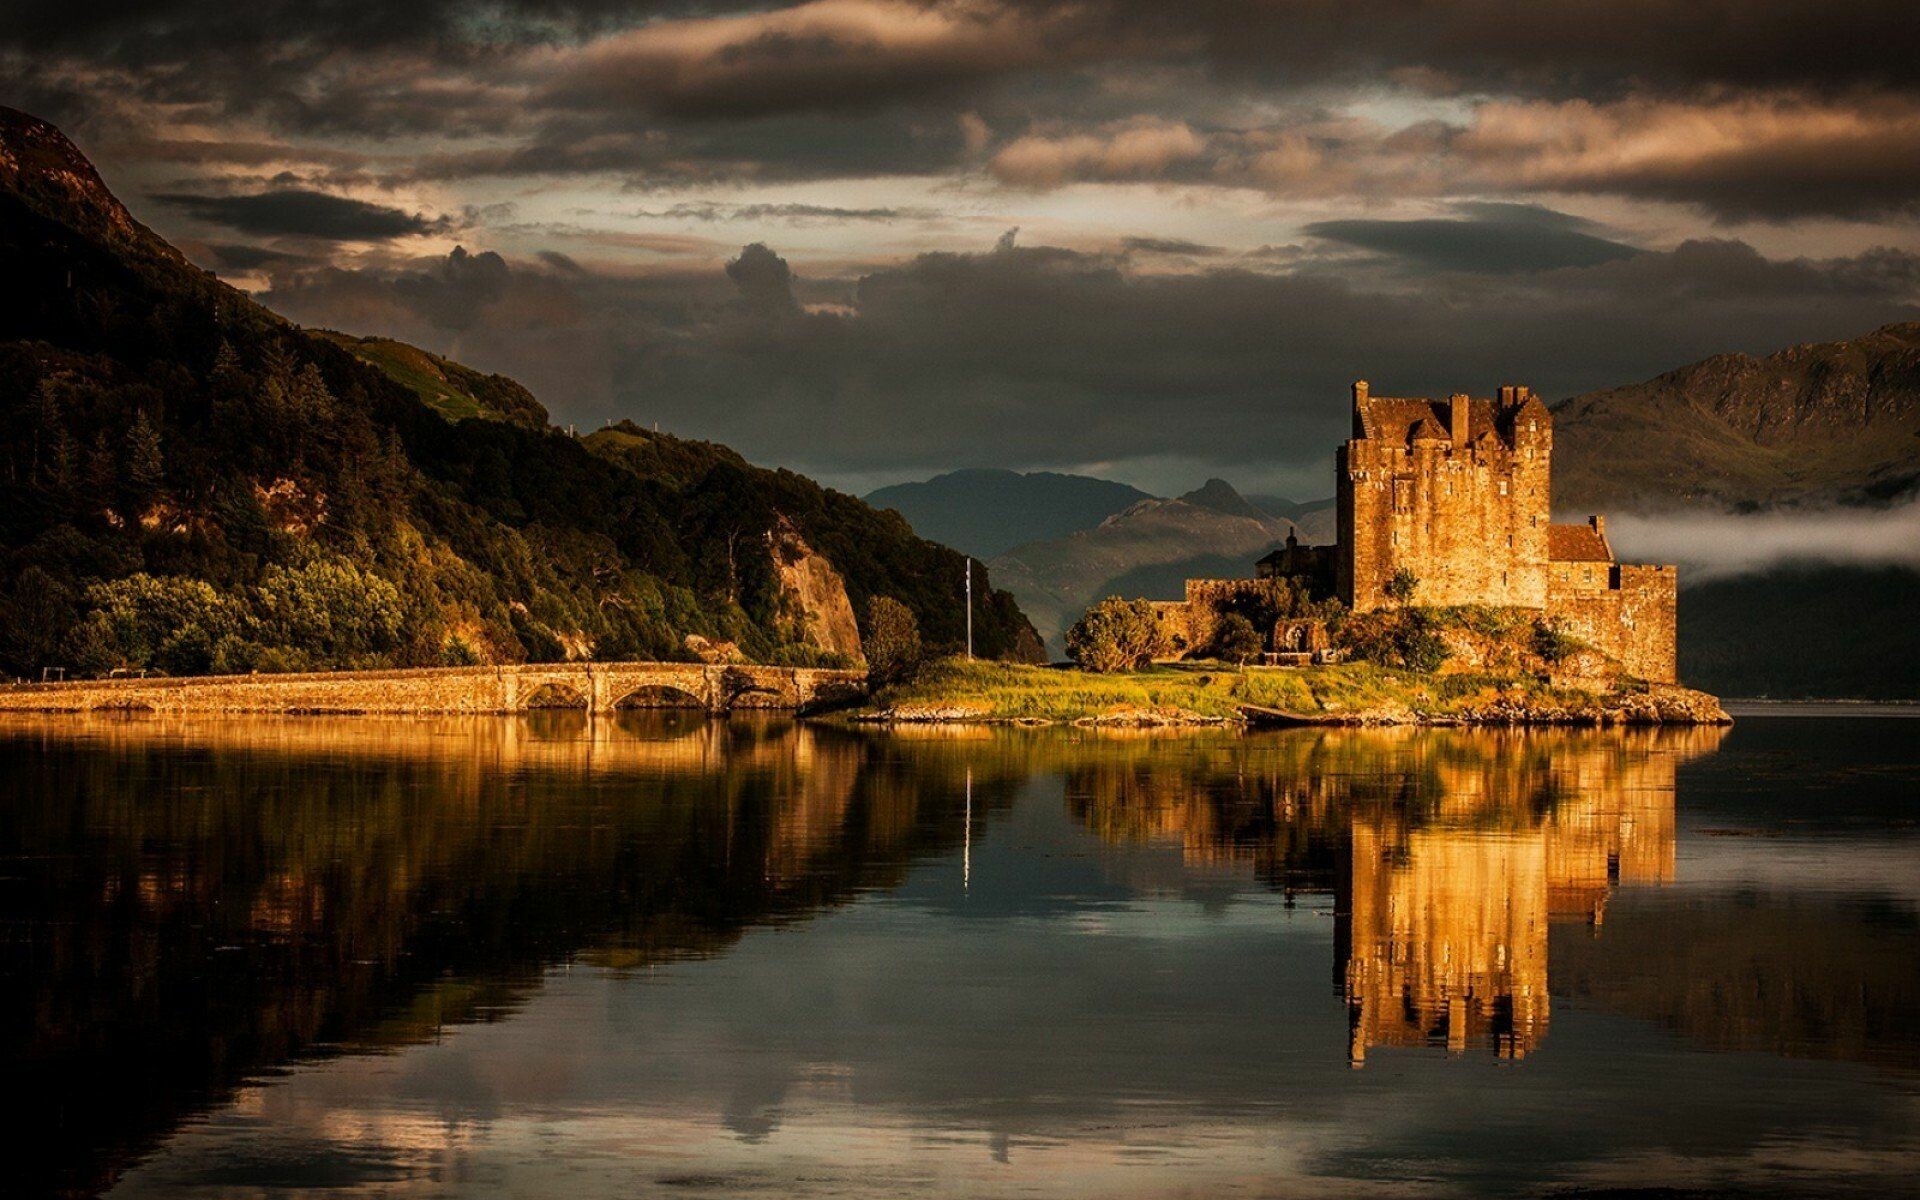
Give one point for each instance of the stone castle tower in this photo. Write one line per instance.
(1459, 493)
(1456, 491)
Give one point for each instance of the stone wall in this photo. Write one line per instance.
(1630, 615)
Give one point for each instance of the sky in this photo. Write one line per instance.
(874, 240)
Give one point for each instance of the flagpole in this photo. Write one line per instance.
(969, 608)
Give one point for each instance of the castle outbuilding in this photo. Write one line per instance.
(1453, 497)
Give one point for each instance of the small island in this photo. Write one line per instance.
(1449, 597)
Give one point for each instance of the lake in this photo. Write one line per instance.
(667, 956)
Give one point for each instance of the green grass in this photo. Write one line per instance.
(412, 367)
(1010, 692)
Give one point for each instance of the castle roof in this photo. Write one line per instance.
(1399, 419)
(1577, 543)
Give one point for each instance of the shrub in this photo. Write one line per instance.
(892, 643)
(1403, 638)
(1114, 635)
(1236, 640)
(1553, 643)
(1403, 585)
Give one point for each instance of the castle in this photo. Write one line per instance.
(1453, 497)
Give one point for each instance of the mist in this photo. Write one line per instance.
(1715, 545)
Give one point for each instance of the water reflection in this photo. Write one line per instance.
(1044, 936)
(1450, 854)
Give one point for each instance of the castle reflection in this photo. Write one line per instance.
(1449, 855)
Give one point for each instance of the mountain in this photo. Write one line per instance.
(1843, 632)
(190, 482)
(1150, 549)
(984, 512)
(1812, 424)
(1217, 495)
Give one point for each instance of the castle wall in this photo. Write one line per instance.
(1469, 521)
(1631, 615)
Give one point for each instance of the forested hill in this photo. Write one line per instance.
(189, 482)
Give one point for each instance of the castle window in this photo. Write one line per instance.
(1503, 487)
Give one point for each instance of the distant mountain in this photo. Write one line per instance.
(984, 512)
(1217, 495)
(1835, 632)
(189, 482)
(1148, 550)
(1314, 518)
(1817, 423)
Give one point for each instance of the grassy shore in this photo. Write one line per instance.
(1194, 693)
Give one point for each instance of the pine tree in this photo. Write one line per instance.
(145, 468)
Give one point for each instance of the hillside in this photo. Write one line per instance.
(1148, 550)
(1824, 422)
(455, 391)
(189, 482)
(985, 512)
(1845, 632)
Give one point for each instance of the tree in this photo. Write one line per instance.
(171, 622)
(892, 643)
(1114, 635)
(1236, 641)
(35, 617)
(1402, 586)
(145, 468)
(332, 609)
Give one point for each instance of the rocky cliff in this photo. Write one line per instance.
(815, 593)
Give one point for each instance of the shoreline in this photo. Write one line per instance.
(1201, 695)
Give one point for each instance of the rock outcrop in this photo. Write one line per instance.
(815, 594)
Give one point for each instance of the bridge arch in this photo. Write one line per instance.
(659, 695)
(554, 693)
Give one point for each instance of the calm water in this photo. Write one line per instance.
(670, 957)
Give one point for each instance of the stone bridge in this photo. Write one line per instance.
(596, 687)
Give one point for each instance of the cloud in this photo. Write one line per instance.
(1713, 545)
(1144, 149)
(1175, 247)
(795, 214)
(1771, 110)
(1772, 156)
(294, 212)
(1029, 357)
(764, 279)
(1498, 239)
(822, 54)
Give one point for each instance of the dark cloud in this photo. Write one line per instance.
(233, 256)
(293, 212)
(1750, 109)
(1026, 357)
(1178, 247)
(1498, 238)
(709, 210)
(764, 279)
